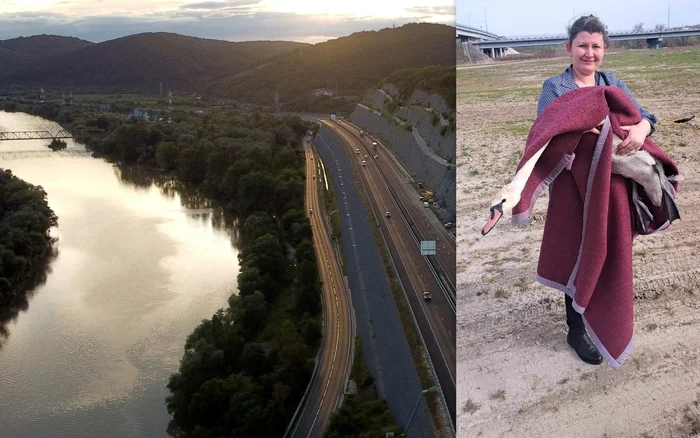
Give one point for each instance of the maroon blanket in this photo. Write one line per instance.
(587, 243)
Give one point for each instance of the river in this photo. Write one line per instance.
(136, 269)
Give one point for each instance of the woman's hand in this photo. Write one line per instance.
(635, 137)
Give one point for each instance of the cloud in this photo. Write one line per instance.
(239, 4)
(433, 10)
(204, 24)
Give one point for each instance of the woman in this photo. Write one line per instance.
(588, 42)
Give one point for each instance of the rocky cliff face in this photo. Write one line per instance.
(419, 134)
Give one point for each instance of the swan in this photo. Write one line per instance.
(638, 167)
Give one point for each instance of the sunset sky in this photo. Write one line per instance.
(309, 21)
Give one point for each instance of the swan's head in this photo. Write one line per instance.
(506, 199)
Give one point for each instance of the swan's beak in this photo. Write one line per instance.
(496, 213)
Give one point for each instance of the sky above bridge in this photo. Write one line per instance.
(547, 17)
(308, 21)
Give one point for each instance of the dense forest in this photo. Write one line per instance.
(250, 72)
(245, 369)
(137, 62)
(25, 220)
(347, 66)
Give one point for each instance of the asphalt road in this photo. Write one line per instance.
(436, 318)
(384, 343)
(333, 369)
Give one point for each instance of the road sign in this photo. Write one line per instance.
(428, 247)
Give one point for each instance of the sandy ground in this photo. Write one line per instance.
(517, 376)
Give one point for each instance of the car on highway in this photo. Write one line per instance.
(374, 144)
(357, 151)
(387, 214)
(364, 163)
(311, 211)
(376, 156)
(427, 296)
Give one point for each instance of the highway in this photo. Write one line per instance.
(330, 378)
(385, 186)
(385, 347)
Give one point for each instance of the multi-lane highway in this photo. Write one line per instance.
(330, 378)
(403, 230)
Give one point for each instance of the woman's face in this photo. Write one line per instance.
(587, 51)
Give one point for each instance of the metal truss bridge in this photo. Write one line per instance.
(34, 135)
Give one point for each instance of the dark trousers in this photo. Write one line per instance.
(573, 319)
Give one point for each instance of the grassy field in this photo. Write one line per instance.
(511, 330)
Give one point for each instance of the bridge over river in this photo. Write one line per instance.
(34, 135)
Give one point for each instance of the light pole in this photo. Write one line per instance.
(416, 407)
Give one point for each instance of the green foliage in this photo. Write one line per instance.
(25, 220)
(135, 62)
(434, 118)
(167, 155)
(355, 62)
(362, 415)
(436, 79)
(57, 145)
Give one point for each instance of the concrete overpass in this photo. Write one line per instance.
(495, 45)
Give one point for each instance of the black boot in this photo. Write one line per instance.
(583, 346)
(577, 337)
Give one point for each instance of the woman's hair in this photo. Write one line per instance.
(590, 24)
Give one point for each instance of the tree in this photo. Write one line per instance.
(167, 155)
(57, 145)
(660, 27)
(250, 314)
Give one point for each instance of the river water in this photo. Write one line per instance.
(137, 268)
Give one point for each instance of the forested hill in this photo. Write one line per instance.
(353, 63)
(140, 62)
(18, 52)
(247, 71)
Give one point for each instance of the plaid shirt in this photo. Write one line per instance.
(560, 84)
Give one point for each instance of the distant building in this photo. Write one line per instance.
(141, 114)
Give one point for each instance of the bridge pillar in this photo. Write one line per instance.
(653, 43)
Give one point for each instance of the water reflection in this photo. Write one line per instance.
(10, 312)
(202, 207)
(142, 261)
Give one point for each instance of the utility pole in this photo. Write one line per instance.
(668, 24)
